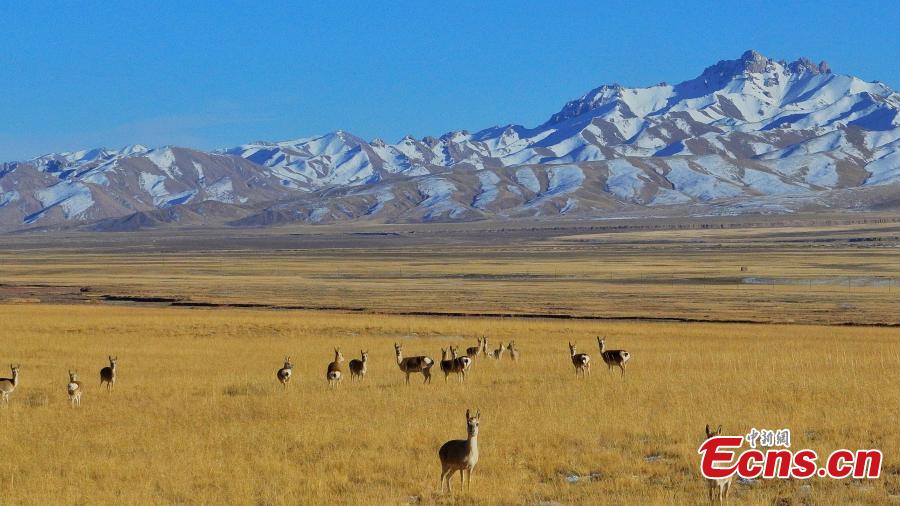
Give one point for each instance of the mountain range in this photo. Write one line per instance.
(750, 135)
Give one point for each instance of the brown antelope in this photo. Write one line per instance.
(723, 484)
(472, 351)
(446, 363)
(613, 357)
(460, 365)
(284, 374)
(335, 372)
(498, 353)
(74, 389)
(359, 367)
(513, 351)
(410, 365)
(8, 385)
(460, 454)
(108, 374)
(581, 361)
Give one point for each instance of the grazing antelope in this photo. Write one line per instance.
(513, 351)
(74, 389)
(335, 372)
(472, 351)
(613, 357)
(410, 365)
(460, 365)
(8, 385)
(498, 353)
(723, 484)
(460, 455)
(108, 374)
(581, 361)
(284, 374)
(358, 367)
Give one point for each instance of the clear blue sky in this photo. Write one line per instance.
(217, 74)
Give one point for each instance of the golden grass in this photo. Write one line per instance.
(819, 274)
(198, 417)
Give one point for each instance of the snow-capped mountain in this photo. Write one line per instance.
(746, 135)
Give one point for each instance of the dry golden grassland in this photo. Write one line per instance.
(837, 274)
(197, 416)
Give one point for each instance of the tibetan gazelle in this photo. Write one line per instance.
(513, 351)
(722, 484)
(410, 365)
(8, 385)
(335, 371)
(359, 366)
(498, 353)
(581, 361)
(613, 357)
(472, 351)
(74, 389)
(108, 373)
(446, 363)
(284, 374)
(460, 454)
(460, 365)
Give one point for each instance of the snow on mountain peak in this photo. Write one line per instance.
(748, 128)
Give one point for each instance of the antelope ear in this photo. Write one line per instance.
(708, 434)
(467, 415)
(719, 431)
(478, 414)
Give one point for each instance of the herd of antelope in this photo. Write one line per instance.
(455, 455)
(452, 362)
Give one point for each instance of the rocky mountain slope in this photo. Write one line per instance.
(746, 135)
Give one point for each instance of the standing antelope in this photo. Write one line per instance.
(460, 455)
(284, 374)
(498, 353)
(74, 389)
(446, 364)
(410, 365)
(581, 361)
(335, 372)
(460, 365)
(8, 385)
(613, 357)
(472, 351)
(358, 367)
(723, 484)
(108, 374)
(484, 350)
(513, 351)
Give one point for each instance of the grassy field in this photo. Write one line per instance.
(805, 274)
(197, 416)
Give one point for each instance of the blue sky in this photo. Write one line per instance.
(216, 74)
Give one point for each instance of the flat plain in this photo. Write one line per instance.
(728, 322)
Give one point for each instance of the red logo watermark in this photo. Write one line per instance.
(719, 459)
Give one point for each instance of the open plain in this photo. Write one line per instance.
(736, 322)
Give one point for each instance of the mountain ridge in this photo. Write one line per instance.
(740, 137)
